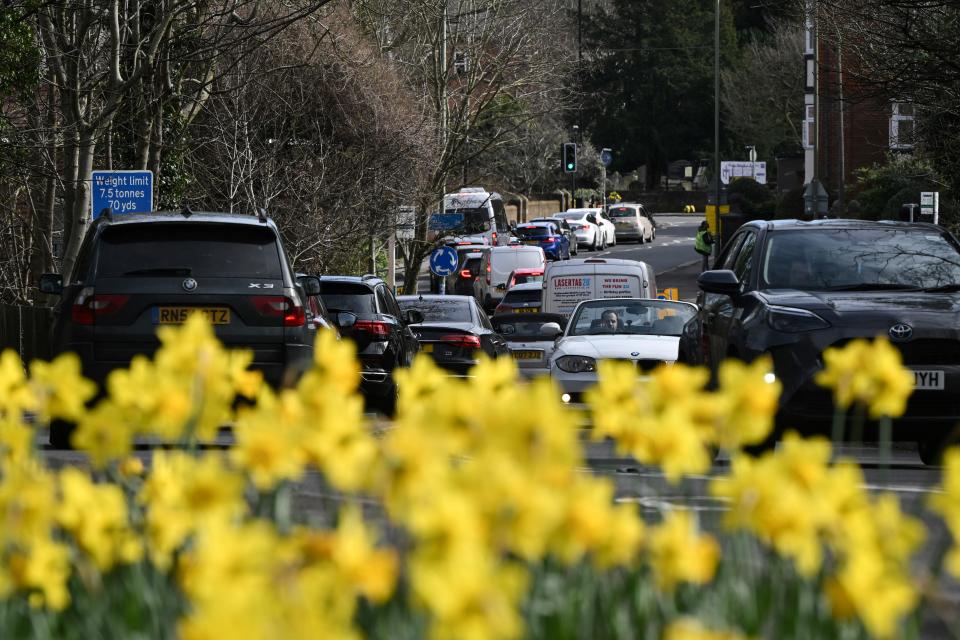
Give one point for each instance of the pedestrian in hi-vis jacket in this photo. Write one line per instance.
(704, 243)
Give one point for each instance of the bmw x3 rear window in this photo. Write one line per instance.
(205, 250)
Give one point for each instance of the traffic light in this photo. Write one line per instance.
(568, 157)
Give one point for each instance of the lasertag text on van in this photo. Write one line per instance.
(566, 284)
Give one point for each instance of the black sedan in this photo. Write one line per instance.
(793, 289)
(454, 331)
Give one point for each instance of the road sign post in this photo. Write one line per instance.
(930, 205)
(121, 191)
(443, 262)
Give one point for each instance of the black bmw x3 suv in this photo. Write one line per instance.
(135, 273)
(792, 289)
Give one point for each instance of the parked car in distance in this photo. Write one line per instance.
(522, 276)
(566, 284)
(642, 331)
(495, 267)
(137, 272)
(522, 298)
(530, 337)
(585, 227)
(631, 222)
(547, 236)
(454, 331)
(381, 332)
(564, 226)
(794, 289)
(608, 233)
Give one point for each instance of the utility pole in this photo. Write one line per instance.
(716, 123)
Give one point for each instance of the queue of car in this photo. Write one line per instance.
(784, 289)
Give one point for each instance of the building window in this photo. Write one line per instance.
(809, 127)
(901, 126)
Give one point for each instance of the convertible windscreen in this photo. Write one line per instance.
(631, 317)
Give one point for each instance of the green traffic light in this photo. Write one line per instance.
(569, 165)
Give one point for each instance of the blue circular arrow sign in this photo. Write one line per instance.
(443, 261)
(606, 157)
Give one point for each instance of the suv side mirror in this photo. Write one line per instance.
(413, 316)
(51, 283)
(721, 281)
(310, 284)
(550, 330)
(345, 319)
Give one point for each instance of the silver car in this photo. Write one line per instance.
(632, 222)
(530, 338)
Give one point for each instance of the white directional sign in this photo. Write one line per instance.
(731, 170)
(930, 205)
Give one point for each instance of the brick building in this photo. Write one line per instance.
(858, 128)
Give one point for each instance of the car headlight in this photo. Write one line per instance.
(576, 364)
(790, 320)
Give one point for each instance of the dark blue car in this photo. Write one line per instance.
(545, 235)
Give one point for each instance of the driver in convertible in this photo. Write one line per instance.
(609, 321)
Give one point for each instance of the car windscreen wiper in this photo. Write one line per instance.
(946, 288)
(874, 286)
(160, 271)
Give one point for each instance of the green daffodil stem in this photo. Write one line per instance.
(886, 435)
(839, 424)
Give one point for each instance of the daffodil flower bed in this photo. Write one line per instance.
(496, 530)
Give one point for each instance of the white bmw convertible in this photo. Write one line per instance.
(639, 330)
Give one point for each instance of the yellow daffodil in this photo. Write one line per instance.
(42, 568)
(182, 493)
(680, 553)
(691, 629)
(749, 398)
(104, 435)
(96, 517)
(947, 504)
(62, 390)
(267, 449)
(867, 373)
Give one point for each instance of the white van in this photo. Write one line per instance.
(496, 266)
(471, 216)
(566, 284)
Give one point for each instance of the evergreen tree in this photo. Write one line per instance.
(648, 94)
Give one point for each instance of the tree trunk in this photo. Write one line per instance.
(86, 148)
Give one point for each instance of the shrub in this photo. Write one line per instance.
(790, 205)
(756, 200)
(883, 189)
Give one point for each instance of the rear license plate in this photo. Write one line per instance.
(928, 380)
(533, 242)
(426, 348)
(179, 315)
(526, 310)
(526, 355)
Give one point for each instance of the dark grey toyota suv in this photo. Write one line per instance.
(135, 273)
(792, 289)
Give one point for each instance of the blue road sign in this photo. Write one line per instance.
(443, 261)
(121, 192)
(446, 221)
(606, 157)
